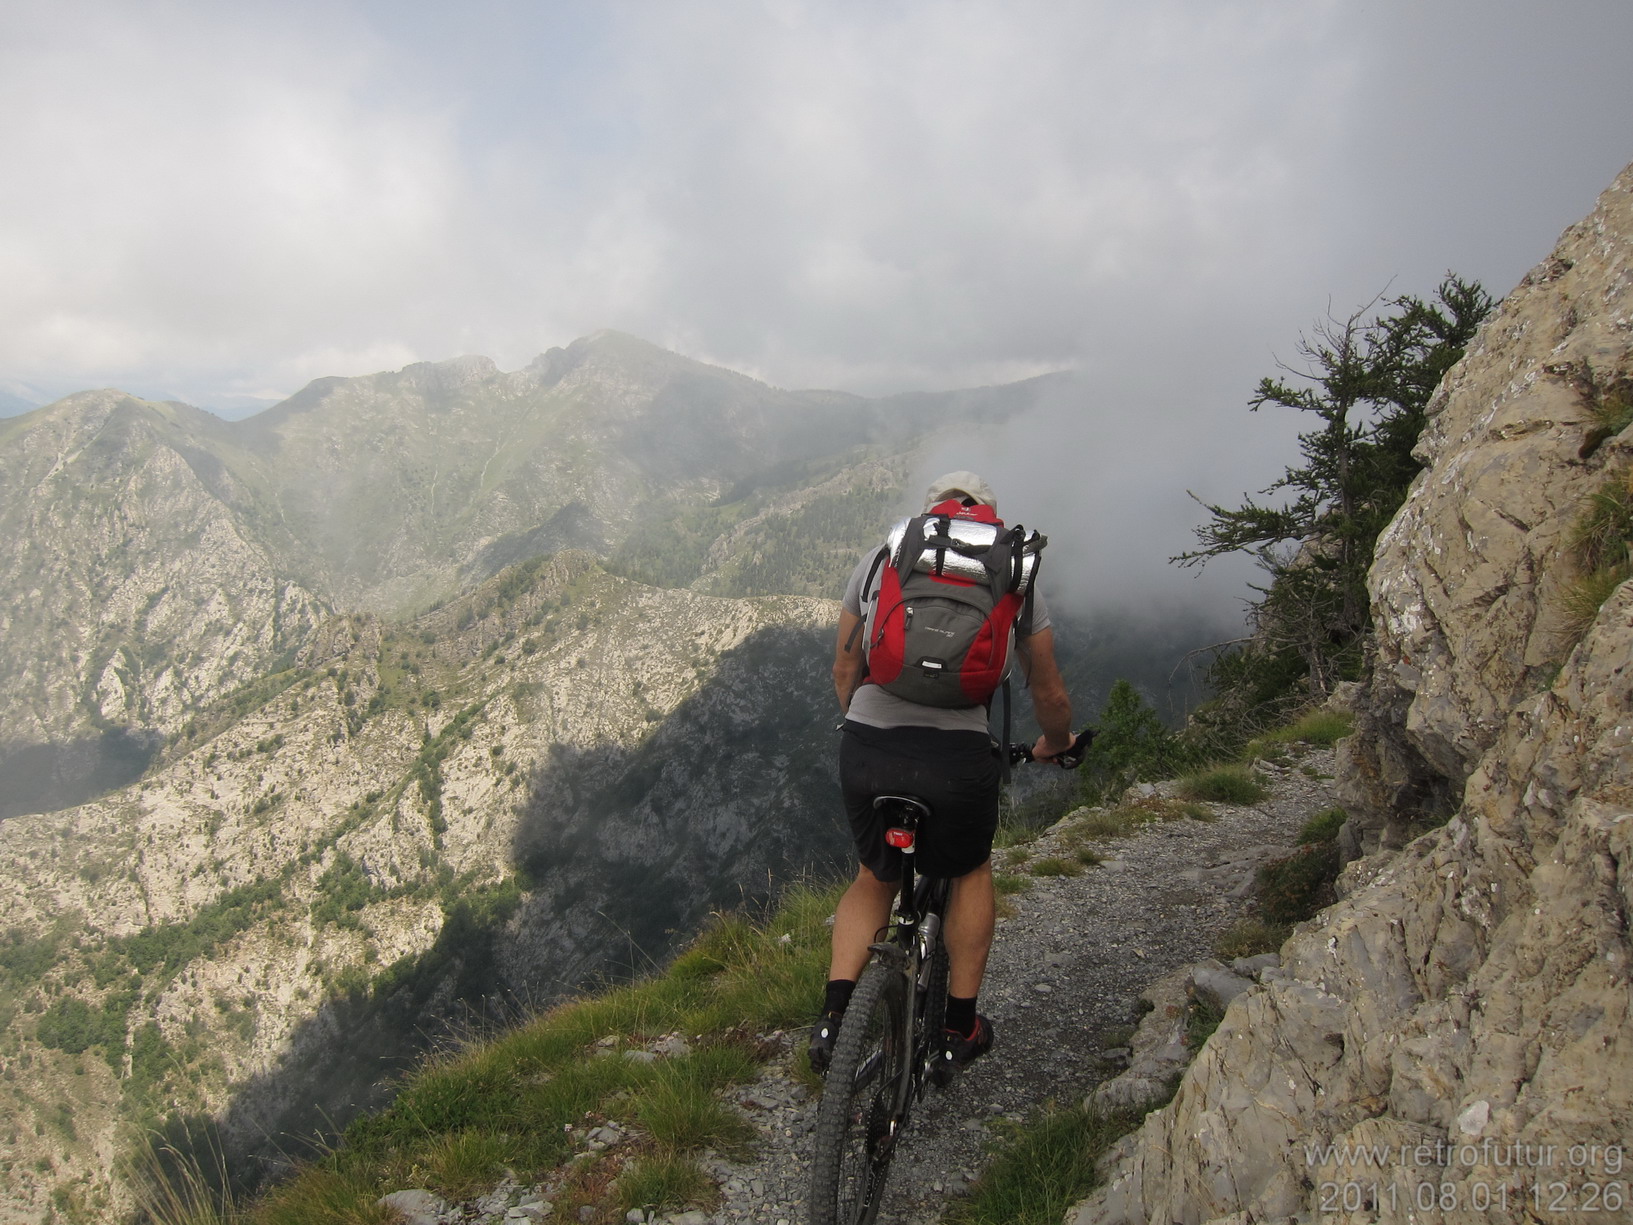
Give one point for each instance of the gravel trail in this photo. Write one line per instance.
(1066, 971)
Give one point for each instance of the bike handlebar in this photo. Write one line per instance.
(1071, 759)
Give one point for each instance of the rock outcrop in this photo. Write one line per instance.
(1451, 1040)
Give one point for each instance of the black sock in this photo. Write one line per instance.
(961, 1015)
(839, 995)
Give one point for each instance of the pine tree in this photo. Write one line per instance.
(1368, 384)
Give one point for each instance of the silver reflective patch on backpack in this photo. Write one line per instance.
(975, 536)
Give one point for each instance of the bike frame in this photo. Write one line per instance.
(885, 1068)
(920, 905)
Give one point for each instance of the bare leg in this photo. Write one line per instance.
(971, 915)
(863, 910)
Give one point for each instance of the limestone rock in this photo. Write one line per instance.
(1462, 1014)
(1157, 1050)
(416, 1207)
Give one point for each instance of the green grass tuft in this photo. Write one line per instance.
(1201, 1019)
(467, 1163)
(664, 1182)
(681, 1109)
(1250, 937)
(1041, 1170)
(1602, 546)
(1321, 726)
(1610, 411)
(1585, 595)
(1054, 865)
(1228, 784)
(325, 1197)
(460, 1122)
(1117, 822)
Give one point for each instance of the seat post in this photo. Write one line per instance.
(904, 813)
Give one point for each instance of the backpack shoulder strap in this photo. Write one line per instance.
(873, 573)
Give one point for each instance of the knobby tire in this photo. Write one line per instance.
(870, 1060)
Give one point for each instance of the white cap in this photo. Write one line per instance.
(960, 485)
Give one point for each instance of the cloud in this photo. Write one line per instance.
(872, 196)
(1106, 481)
(203, 191)
(960, 185)
(210, 200)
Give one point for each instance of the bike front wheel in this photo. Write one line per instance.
(858, 1120)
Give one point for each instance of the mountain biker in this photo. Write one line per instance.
(947, 758)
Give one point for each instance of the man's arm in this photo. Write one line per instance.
(1051, 705)
(847, 658)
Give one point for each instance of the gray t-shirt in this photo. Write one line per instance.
(877, 708)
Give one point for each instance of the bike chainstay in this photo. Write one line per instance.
(927, 1010)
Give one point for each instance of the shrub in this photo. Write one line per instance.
(1250, 937)
(1131, 745)
(1293, 888)
(1323, 827)
(343, 891)
(70, 1025)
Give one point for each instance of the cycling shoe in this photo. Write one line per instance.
(823, 1034)
(958, 1050)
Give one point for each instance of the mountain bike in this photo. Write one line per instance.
(890, 1043)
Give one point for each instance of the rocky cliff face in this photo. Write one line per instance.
(1451, 1041)
(134, 590)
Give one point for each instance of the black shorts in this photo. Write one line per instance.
(956, 773)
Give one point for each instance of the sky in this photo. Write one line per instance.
(218, 202)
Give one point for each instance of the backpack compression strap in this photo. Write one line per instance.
(1001, 559)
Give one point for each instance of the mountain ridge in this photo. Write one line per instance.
(434, 690)
(398, 707)
(387, 493)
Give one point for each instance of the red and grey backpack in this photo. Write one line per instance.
(943, 599)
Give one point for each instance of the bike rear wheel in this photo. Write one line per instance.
(857, 1123)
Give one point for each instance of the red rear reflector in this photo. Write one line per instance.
(901, 839)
